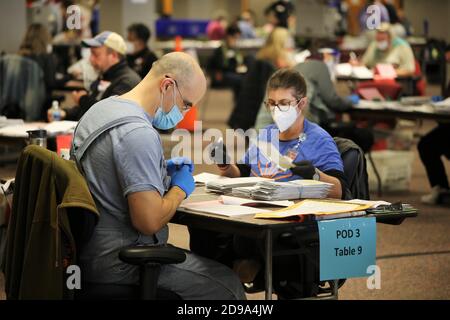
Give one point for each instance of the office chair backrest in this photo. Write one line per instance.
(355, 169)
(22, 93)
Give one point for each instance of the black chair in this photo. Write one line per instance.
(299, 248)
(149, 259)
(355, 169)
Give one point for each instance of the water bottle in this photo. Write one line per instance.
(56, 111)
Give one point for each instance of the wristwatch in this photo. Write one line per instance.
(316, 175)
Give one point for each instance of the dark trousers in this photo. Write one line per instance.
(431, 148)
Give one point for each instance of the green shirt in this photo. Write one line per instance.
(399, 54)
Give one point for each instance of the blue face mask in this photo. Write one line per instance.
(166, 121)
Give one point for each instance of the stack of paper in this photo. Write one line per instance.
(296, 189)
(227, 185)
(244, 192)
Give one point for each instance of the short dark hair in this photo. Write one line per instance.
(141, 31)
(232, 30)
(288, 79)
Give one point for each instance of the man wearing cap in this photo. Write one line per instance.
(108, 51)
(387, 48)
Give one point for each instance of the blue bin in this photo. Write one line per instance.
(169, 28)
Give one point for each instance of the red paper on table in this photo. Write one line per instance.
(63, 142)
(385, 71)
(371, 94)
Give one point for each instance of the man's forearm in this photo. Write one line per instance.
(171, 202)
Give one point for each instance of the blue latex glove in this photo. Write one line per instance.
(183, 179)
(177, 163)
(354, 98)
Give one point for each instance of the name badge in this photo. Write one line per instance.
(103, 85)
(347, 248)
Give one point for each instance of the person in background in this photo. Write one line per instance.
(278, 49)
(246, 24)
(404, 21)
(95, 19)
(390, 49)
(36, 45)
(279, 14)
(140, 57)
(227, 64)
(392, 11)
(215, 29)
(432, 147)
(275, 54)
(108, 58)
(136, 190)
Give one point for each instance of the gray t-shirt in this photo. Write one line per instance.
(123, 160)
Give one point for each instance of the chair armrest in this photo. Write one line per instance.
(158, 254)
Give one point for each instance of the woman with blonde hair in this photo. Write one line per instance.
(274, 55)
(278, 49)
(37, 41)
(37, 46)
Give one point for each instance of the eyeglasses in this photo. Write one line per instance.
(186, 104)
(282, 105)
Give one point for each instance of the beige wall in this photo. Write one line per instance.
(117, 15)
(204, 9)
(436, 11)
(13, 24)
(111, 16)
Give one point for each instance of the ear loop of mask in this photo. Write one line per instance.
(162, 97)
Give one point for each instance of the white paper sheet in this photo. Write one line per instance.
(215, 207)
(205, 177)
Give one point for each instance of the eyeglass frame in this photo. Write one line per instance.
(187, 105)
(277, 105)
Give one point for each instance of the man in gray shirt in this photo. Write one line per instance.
(136, 191)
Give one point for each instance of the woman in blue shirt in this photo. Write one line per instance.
(311, 149)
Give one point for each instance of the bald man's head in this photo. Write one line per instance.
(185, 70)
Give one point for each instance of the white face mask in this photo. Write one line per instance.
(130, 47)
(285, 119)
(383, 45)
